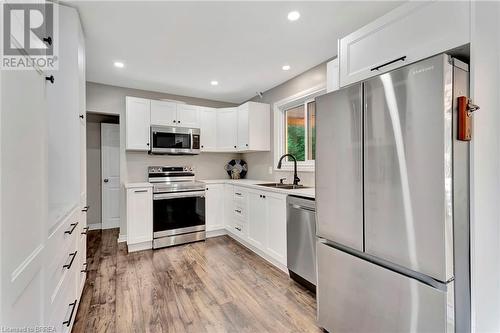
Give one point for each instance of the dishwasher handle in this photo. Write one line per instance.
(309, 209)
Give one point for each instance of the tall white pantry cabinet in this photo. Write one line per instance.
(43, 187)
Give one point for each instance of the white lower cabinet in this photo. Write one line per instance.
(139, 218)
(214, 207)
(258, 218)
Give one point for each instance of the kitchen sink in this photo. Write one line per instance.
(283, 186)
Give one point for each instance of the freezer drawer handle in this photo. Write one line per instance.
(304, 208)
(403, 58)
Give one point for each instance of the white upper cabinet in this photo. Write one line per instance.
(245, 128)
(253, 127)
(208, 122)
(227, 124)
(188, 115)
(137, 123)
(163, 113)
(411, 32)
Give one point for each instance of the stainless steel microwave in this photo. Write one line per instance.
(175, 140)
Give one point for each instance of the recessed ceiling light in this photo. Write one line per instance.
(119, 64)
(214, 83)
(293, 16)
(285, 67)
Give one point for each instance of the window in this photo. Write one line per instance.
(300, 127)
(295, 129)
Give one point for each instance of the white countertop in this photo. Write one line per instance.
(138, 185)
(308, 192)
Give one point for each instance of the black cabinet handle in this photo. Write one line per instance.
(403, 58)
(48, 40)
(175, 121)
(73, 256)
(85, 270)
(246, 144)
(85, 208)
(237, 211)
(73, 306)
(147, 144)
(50, 78)
(85, 230)
(69, 232)
(234, 146)
(81, 116)
(202, 146)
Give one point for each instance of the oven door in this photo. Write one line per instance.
(178, 213)
(175, 140)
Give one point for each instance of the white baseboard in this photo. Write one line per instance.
(140, 246)
(94, 226)
(122, 238)
(261, 253)
(215, 233)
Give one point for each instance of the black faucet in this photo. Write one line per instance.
(296, 179)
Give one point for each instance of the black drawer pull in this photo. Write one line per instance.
(403, 58)
(50, 78)
(85, 270)
(237, 228)
(237, 193)
(73, 306)
(85, 230)
(73, 256)
(85, 209)
(237, 211)
(69, 232)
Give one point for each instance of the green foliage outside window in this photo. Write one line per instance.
(296, 144)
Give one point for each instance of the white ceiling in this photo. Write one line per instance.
(179, 47)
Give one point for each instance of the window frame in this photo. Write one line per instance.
(280, 107)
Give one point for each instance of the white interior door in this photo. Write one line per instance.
(110, 175)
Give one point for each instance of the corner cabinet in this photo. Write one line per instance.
(139, 218)
(254, 129)
(137, 123)
(411, 32)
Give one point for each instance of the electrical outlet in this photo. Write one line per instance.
(270, 170)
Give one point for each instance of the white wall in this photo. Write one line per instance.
(107, 99)
(259, 163)
(485, 178)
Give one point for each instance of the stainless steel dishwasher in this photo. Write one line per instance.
(301, 240)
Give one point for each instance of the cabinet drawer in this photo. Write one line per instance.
(62, 307)
(239, 228)
(239, 193)
(63, 234)
(240, 211)
(60, 270)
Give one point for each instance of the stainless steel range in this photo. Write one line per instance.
(178, 206)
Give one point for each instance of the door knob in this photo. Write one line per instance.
(106, 180)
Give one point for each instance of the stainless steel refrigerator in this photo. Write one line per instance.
(392, 201)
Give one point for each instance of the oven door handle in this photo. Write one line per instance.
(164, 196)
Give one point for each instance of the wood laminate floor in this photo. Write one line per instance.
(212, 286)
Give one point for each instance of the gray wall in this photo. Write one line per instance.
(107, 99)
(259, 163)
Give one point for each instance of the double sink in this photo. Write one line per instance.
(283, 186)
